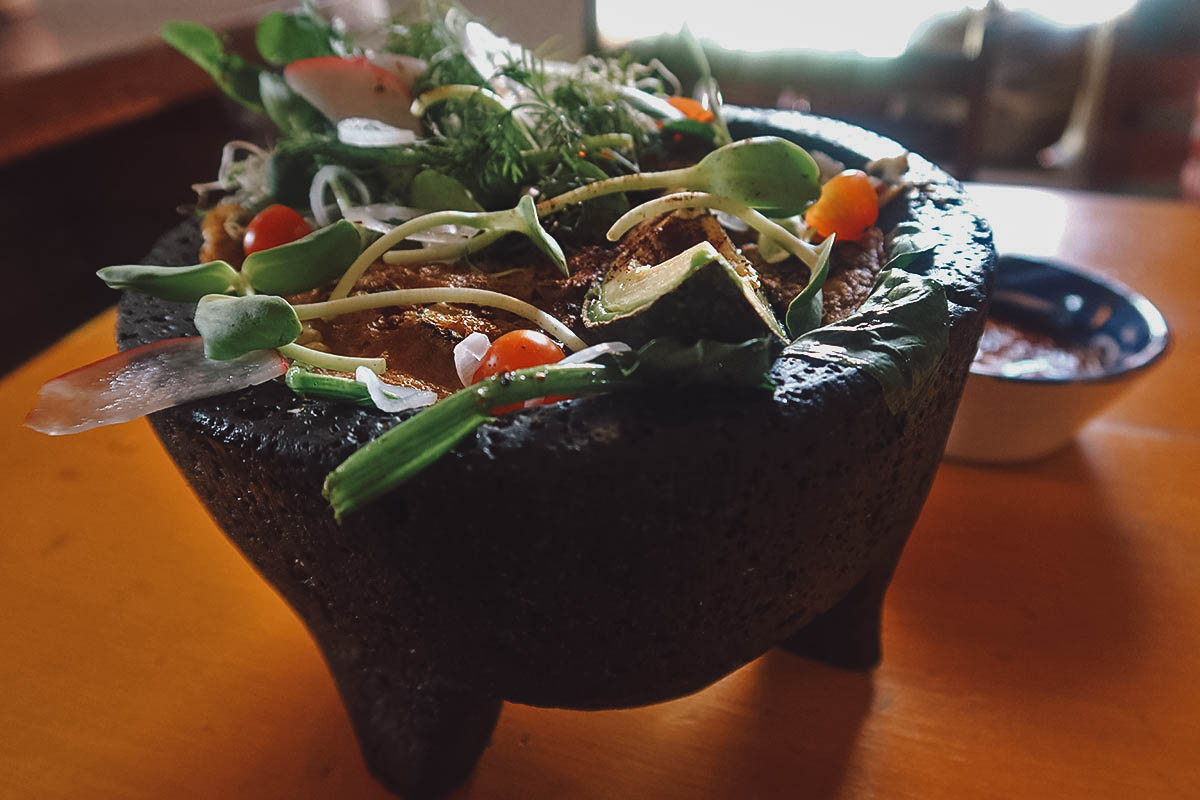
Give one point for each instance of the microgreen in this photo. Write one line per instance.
(523, 219)
(441, 294)
(765, 173)
(234, 326)
(180, 284)
(306, 263)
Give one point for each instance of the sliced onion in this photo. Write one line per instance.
(595, 351)
(363, 132)
(145, 379)
(391, 398)
(320, 181)
(468, 354)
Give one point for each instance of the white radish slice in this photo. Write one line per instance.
(145, 379)
(342, 88)
(391, 398)
(468, 354)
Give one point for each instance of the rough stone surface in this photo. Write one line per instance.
(605, 552)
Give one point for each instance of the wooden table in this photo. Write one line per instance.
(1042, 637)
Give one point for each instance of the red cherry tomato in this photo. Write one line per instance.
(848, 205)
(518, 350)
(273, 226)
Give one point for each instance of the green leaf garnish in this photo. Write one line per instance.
(180, 284)
(434, 191)
(283, 38)
(897, 335)
(807, 308)
(306, 263)
(234, 326)
(523, 219)
(234, 76)
(765, 173)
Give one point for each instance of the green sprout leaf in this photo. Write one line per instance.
(767, 173)
(531, 227)
(306, 263)
(283, 38)
(234, 326)
(433, 191)
(234, 76)
(807, 308)
(523, 219)
(180, 284)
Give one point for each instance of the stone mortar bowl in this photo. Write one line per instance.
(600, 553)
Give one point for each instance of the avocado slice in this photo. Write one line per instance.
(697, 294)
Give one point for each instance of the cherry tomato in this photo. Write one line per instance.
(848, 205)
(273, 226)
(518, 350)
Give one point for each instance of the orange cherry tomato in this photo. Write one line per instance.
(518, 350)
(848, 205)
(273, 226)
(691, 108)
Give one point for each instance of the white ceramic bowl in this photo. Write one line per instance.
(1005, 416)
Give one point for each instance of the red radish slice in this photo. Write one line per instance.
(342, 88)
(149, 378)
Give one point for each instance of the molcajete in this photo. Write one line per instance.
(604, 552)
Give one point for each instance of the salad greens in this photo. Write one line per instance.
(507, 143)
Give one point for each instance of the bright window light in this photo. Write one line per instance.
(866, 27)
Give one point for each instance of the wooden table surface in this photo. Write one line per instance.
(1042, 636)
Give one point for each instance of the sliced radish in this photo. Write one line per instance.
(342, 88)
(137, 382)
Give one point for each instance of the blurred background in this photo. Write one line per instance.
(104, 129)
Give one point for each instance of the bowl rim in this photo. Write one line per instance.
(1154, 350)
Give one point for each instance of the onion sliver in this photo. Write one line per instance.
(595, 351)
(145, 379)
(390, 398)
(468, 354)
(364, 132)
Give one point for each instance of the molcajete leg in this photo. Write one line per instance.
(420, 734)
(848, 635)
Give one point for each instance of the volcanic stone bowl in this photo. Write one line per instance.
(603, 552)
